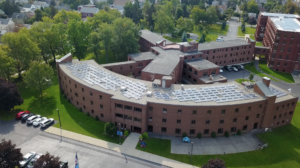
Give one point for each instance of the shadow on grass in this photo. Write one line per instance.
(46, 107)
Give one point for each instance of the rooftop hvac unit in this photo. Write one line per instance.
(149, 93)
(123, 89)
(290, 90)
(182, 88)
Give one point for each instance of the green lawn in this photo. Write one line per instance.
(213, 32)
(251, 67)
(283, 150)
(259, 44)
(249, 30)
(242, 80)
(280, 75)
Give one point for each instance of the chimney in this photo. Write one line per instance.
(266, 81)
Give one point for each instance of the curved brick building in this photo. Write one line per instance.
(145, 93)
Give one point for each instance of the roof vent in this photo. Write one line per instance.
(149, 93)
(182, 88)
(123, 89)
(290, 90)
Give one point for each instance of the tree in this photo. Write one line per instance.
(38, 15)
(21, 48)
(60, 30)
(252, 7)
(110, 2)
(47, 161)
(211, 14)
(179, 12)
(102, 17)
(52, 3)
(10, 96)
(184, 37)
(106, 34)
(237, 15)
(202, 39)
(163, 22)
(38, 77)
(214, 163)
(77, 33)
(151, 28)
(10, 156)
(65, 16)
(7, 64)
(94, 44)
(220, 2)
(133, 11)
(148, 14)
(251, 76)
(185, 24)
(53, 12)
(197, 15)
(9, 8)
(291, 7)
(228, 13)
(110, 128)
(243, 27)
(223, 27)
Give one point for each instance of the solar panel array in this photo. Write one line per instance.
(95, 76)
(277, 92)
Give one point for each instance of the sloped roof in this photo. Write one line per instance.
(152, 37)
(4, 21)
(89, 10)
(263, 87)
(27, 5)
(18, 15)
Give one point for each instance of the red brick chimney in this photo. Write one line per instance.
(266, 81)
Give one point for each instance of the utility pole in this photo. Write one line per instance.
(120, 133)
(60, 125)
(192, 153)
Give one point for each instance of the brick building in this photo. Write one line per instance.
(281, 34)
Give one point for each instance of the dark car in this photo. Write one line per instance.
(26, 116)
(228, 68)
(63, 164)
(238, 67)
(47, 123)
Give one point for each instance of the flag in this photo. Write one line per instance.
(76, 161)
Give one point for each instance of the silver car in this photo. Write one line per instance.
(37, 121)
(27, 158)
(32, 162)
(32, 118)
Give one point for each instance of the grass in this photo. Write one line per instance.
(251, 67)
(283, 149)
(71, 118)
(259, 44)
(242, 80)
(249, 30)
(280, 75)
(175, 40)
(213, 32)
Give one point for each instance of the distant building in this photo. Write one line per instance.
(28, 8)
(63, 6)
(2, 12)
(39, 4)
(87, 10)
(19, 18)
(21, 1)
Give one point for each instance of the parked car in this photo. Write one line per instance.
(235, 69)
(32, 162)
(238, 67)
(63, 164)
(186, 139)
(20, 114)
(37, 121)
(228, 68)
(32, 118)
(27, 158)
(242, 67)
(47, 123)
(220, 39)
(26, 116)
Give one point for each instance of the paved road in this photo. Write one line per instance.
(233, 29)
(33, 139)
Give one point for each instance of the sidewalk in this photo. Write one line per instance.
(128, 147)
(256, 63)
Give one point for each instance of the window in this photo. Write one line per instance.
(100, 96)
(288, 105)
(137, 119)
(291, 112)
(83, 98)
(177, 131)
(164, 110)
(101, 106)
(118, 105)
(75, 86)
(119, 115)
(163, 129)
(237, 110)
(190, 69)
(77, 102)
(195, 80)
(223, 111)
(220, 130)
(233, 129)
(193, 122)
(101, 115)
(289, 50)
(282, 106)
(285, 114)
(234, 120)
(76, 94)
(206, 131)
(277, 123)
(247, 118)
(195, 73)
(249, 108)
(257, 115)
(207, 122)
(91, 93)
(280, 115)
(293, 103)
(82, 90)
(192, 131)
(92, 102)
(150, 108)
(274, 117)
(178, 121)
(277, 108)
(164, 120)
(83, 107)
(130, 118)
(194, 111)
(137, 109)
(282, 121)
(127, 107)
(245, 127)
(179, 111)
(92, 111)
(221, 121)
(71, 90)
(260, 106)
(140, 64)
(208, 111)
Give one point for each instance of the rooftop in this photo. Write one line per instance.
(221, 44)
(4, 21)
(286, 24)
(264, 88)
(162, 64)
(89, 10)
(18, 15)
(152, 37)
(201, 64)
(279, 15)
(142, 56)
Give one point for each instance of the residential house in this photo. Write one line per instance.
(19, 18)
(21, 1)
(28, 8)
(2, 12)
(87, 10)
(5, 23)
(63, 6)
(40, 4)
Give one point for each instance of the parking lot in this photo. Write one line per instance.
(29, 139)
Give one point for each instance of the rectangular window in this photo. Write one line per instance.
(237, 110)
(150, 118)
(249, 108)
(194, 111)
(177, 131)
(193, 122)
(92, 102)
(119, 115)
(163, 129)
(101, 106)
(150, 108)
(247, 118)
(127, 107)
(221, 121)
(164, 110)
(257, 115)
(223, 111)
(76, 94)
(192, 131)
(75, 86)
(140, 65)
(128, 117)
(234, 120)
(83, 107)
(164, 120)
(137, 109)
(260, 106)
(137, 119)
(92, 111)
(245, 127)
(206, 131)
(208, 111)
(101, 115)
(274, 117)
(83, 98)
(291, 112)
(91, 93)
(100, 96)
(282, 106)
(82, 90)
(207, 122)
(220, 130)
(178, 121)
(118, 105)
(233, 129)
(179, 111)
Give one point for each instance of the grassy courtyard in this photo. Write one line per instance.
(242, 80)
(251, 67)
(213, 32)
(249, 30)
(283, 150)
(280, 75)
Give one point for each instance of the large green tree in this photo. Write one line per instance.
(291, 8)
(133, 11)
(185, 24)
(9, 8)
(7, 64)
(78, 32)
(197, 15)
(106, 34)
(94, 44)
(163, 21)
(65, 16)
(103, 17)
(38, 77)
(21, 48)
(212, 16)
(252, 7)
(60, 29)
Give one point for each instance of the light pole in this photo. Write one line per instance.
(192, 153)
(120, 133)
(59, 124)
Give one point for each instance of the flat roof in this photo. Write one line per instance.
(153, 37)
(201, 64)
(162, 64)
(142, 56)
(279, 15)
(222, 44)
(286, 24)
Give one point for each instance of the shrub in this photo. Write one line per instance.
(88, 114)
(239, 132)
(97, 118)
(145, 135)
(141, 136)
(69, 100)
(199, 135)
(80, 109)
(226, 134)
(126, 133)
(213, 134)
(110, 128)
(184, 134)
(62, 91)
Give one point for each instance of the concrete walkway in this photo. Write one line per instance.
(127, 148)
(256, 63)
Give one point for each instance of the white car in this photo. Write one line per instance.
(31, 163)
(242, 67)
(37, 121)
(235, 69)
(27, 158)
(32, 118)
(220, 39)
